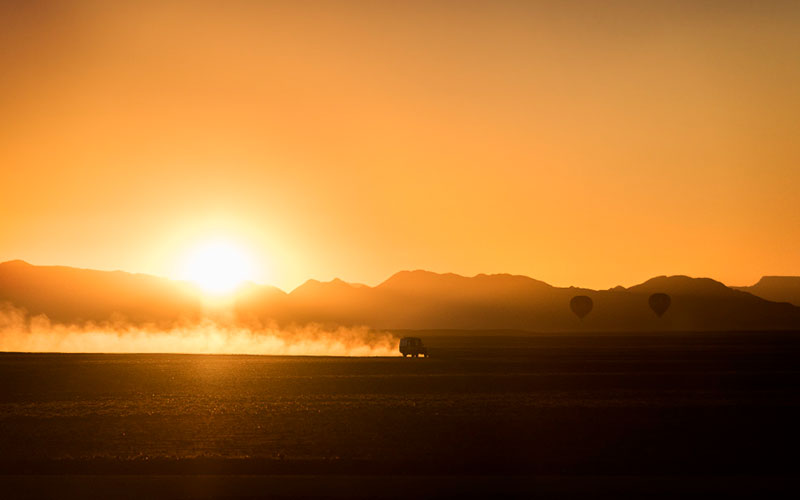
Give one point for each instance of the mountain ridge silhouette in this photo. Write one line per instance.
(776, 289)
(417, 299)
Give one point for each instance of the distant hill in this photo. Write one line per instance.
(407, 300)
(68, 295)
(426, 300)
(776, 289)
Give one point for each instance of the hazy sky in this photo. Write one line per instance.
(591, 143)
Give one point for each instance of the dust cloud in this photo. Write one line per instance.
(20, 332)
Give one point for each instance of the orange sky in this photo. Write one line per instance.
(574, 142)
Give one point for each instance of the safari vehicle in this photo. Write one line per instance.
(412, 346)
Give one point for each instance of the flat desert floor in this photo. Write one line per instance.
(489, 413)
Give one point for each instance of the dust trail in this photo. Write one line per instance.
(20, 332)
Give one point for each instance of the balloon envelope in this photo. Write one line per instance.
(581, 305)
(659, 303)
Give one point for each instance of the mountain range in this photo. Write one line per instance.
(407, 300)
(776, 289)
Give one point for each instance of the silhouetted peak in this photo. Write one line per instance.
(778, 281)
(776, 288)
(492, 287)
(250, 288)
(681, 284)
(16, 263)
(420, 277)
(314, 286)
(416, 278)
(509, 279)
(420, 273)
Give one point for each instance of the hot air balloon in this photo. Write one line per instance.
(659, 303)
(581, 305)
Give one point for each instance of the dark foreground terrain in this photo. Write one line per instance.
(508, 415)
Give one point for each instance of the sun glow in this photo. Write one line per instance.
(218, 267)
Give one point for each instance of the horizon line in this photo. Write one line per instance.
(355, 283)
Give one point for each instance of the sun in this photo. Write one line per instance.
(218, 267)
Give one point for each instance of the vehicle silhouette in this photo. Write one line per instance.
(412, 346)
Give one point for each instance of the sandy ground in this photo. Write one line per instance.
(510, 415)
